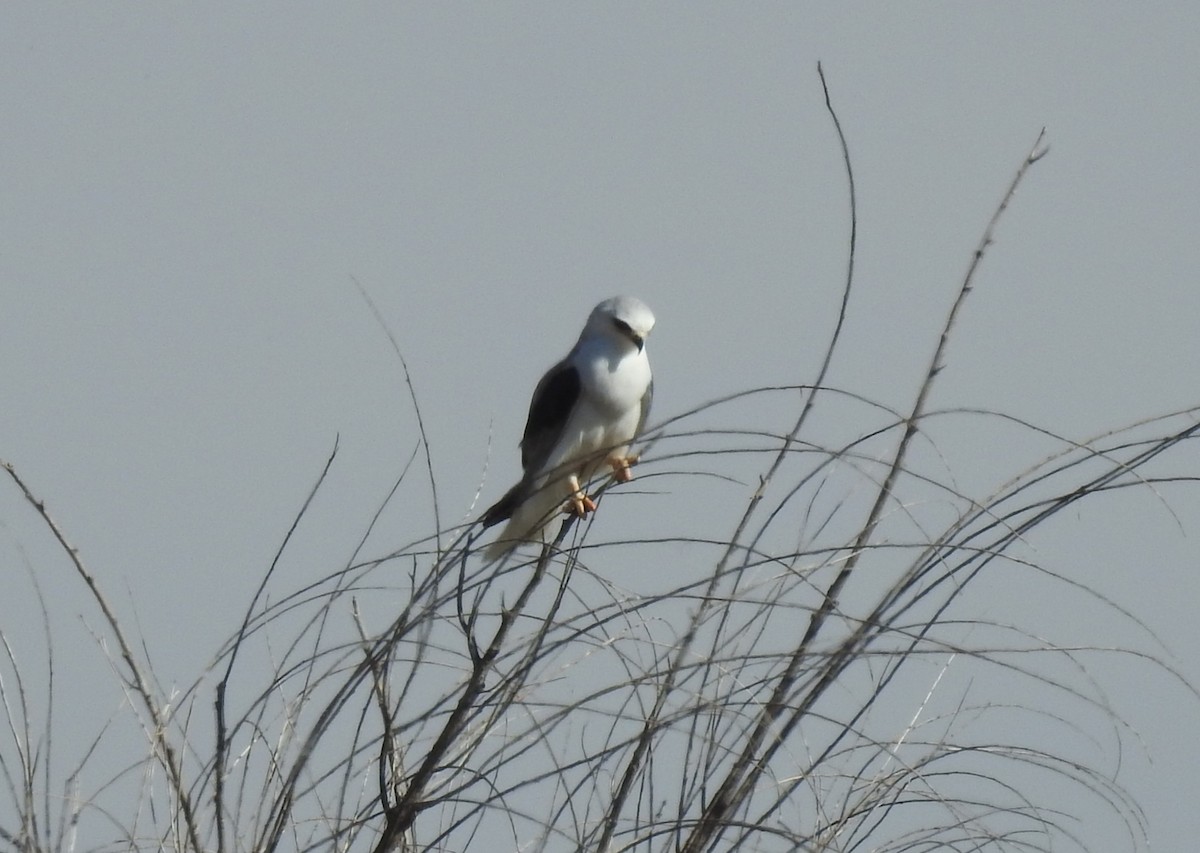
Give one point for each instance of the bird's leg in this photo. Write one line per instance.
(620, 464)
(578, 502)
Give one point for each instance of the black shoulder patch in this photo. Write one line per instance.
(552, 403)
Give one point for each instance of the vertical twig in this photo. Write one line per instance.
(754, 757)
(158, 733)
(683, 650)
(412, 395)
(219, 702)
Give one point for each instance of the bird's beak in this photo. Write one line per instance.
(640, 341)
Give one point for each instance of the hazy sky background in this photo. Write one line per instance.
(190, 192)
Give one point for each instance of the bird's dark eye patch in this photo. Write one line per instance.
(622, 326)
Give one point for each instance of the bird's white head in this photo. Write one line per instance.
(622, 318)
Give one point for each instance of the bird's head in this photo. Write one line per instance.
(623, 318)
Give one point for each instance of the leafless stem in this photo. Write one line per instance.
(158, 726)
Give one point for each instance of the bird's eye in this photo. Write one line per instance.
(622, 326)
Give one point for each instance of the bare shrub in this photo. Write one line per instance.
(816, 675)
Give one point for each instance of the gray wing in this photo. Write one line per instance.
(554, 399)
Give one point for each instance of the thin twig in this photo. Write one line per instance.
(767, 735)
(412, 395)
(222, 744)
(158, 727)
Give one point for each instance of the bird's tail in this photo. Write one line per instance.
(528, 519)
(503, 509)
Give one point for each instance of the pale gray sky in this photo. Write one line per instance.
(189, 193)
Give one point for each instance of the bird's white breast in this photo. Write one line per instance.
(613, 381)
(614, 384)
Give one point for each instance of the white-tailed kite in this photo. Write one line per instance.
(585, 412)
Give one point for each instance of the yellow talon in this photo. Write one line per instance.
(620, 467)
(578, 503)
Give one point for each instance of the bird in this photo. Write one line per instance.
(585, 413)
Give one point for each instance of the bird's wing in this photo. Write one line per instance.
(553, 401)
(647, 399)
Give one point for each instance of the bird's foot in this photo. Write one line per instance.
(580, 505)
(620, 467)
